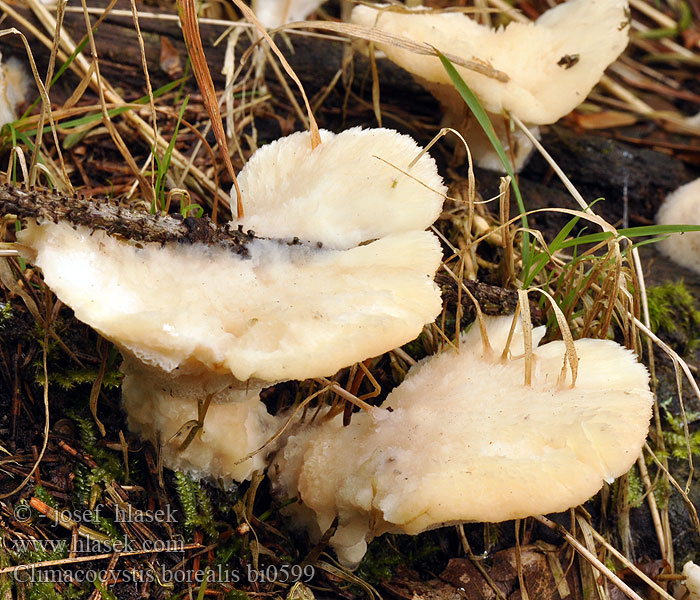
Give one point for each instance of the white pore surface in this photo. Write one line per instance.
(682, 207)
(286, 312)
(539, 91)
(356, 186)
(163, 410)
(14, 84)
(274, 13)
(467, 440)
(692, 582)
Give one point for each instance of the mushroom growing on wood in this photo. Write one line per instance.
(164, 408)
(275, 13)
(464, 438)
(692, 580)
(222, 310)
(682, 207)
(550, 65)
(14, 85)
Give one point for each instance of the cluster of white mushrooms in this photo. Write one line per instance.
(467, 436)
(340, 269)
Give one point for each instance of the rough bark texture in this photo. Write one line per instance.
(116, 220)
(492, 299)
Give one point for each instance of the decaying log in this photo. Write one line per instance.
(117, 220)
(140, 226)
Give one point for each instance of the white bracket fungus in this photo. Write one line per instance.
(692, 580)
(682, 207)
(165, 409)
(551, 64)
(14, 85)
(347, 276)
(463, 438)
(280, 310)
(275, 13)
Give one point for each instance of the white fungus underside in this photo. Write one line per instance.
(273, 13)
(14, 84)
(236, 424)
(343, 192)
(288, 312)
(539, 90)
(682, 207)
(692, 582)
(468, 441)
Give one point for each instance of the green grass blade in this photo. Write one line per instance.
(164, 164)
(475, 106)
(114, 112)
(631, 232)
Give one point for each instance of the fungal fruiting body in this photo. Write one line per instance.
(692, 580)
(281, 312)
(13, 88)
(682, 207)
(275, 13)
(344, 279)
(356, 186)
(164, 408)
(550, 65)
(278, 309)
(463, 438)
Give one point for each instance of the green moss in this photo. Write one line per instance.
(71, 378)
(673, 313)
(88, 483)
(662, 489)
(379, 562)
(635, 488)
(196, 505)
(5, 314)
(384, 554)
(674, 435)
(41, 493)
(236, 595)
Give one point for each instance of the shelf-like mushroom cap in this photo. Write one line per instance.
(682, 207)
(272, 309)
(551, 64)
(163, 409)
(467, 440)
(354, 187)
(14, 84)
(281, 312)
(274, 13)
(692, 579)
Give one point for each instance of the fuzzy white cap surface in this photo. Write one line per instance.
(467, 440)
(163, 409)
(682, 207)
(692, 581)
(540, 90)
(274, 13)
(348, 190)
(14, 85)
(285, 312)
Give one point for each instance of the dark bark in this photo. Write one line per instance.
(117, 220)
(492, 299)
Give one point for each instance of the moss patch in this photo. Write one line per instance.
(674, 314)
